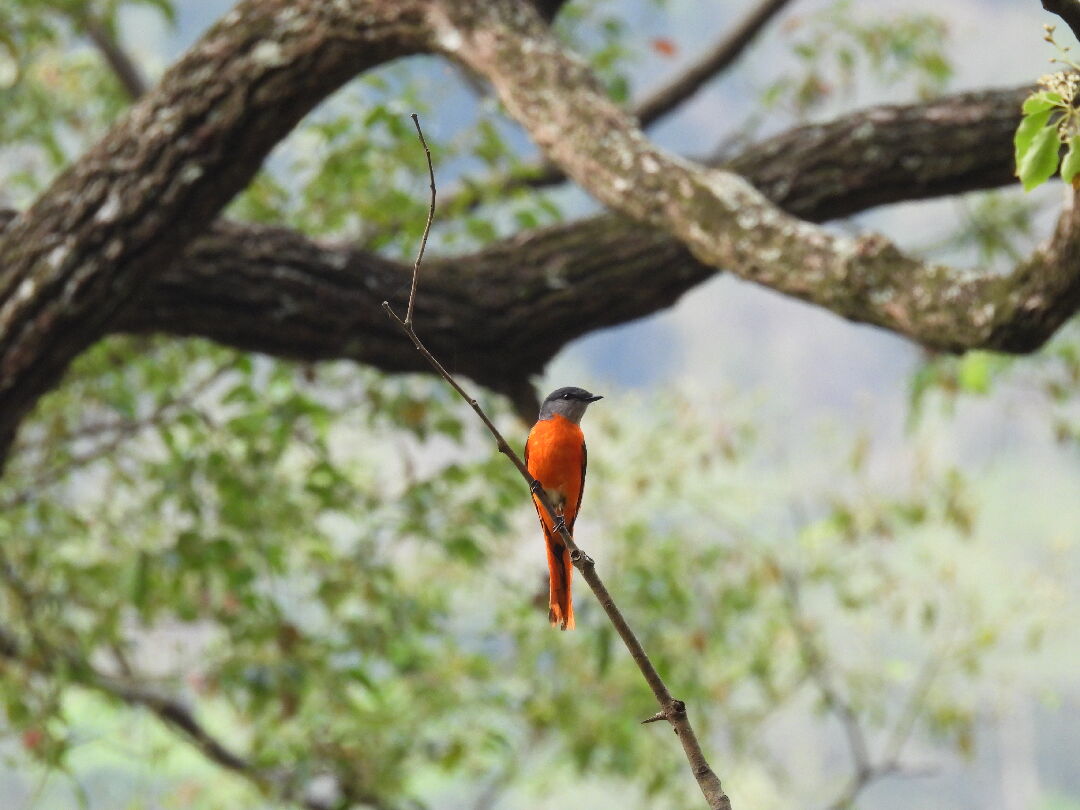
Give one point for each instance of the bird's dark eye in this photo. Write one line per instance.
(566, 396)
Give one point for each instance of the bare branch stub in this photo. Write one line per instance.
(671, 709)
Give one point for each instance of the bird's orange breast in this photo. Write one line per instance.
(556, 452)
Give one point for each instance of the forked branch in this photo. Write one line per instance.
(671, 709)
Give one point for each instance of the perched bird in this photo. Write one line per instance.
(555, 455)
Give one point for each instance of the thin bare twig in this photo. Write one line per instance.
(427, 226)
(672, 709)
(905, 722)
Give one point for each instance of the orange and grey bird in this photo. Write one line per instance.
(556, 458)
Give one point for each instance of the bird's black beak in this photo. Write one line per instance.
(594, 397)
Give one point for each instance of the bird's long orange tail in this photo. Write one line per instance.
(560, 572)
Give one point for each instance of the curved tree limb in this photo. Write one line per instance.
(654, 106)
(724, 222)
(887, 154)
(273, 290)
(162, 173)
(125, 212)
(270, 289)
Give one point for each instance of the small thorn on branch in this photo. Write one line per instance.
(674, 710)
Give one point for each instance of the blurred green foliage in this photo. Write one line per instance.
(338, 558)
(341, 578)
(843, 45)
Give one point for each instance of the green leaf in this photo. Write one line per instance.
(1040, 102)
(1030, 126)
(1070, 166)
(1040, 160)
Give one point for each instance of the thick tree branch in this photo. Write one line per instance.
(717, 59)
(132, 204)
(725, 222)
(887, 154)
(125, 213)
(650, 109)
(273, 290)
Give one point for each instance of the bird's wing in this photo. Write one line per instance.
(536, 503)
(581, 489)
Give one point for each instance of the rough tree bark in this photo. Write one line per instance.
(116, 225)
(275, 290)
(159, 177)
(720, 217)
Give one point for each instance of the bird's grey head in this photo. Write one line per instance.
(569, 402)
